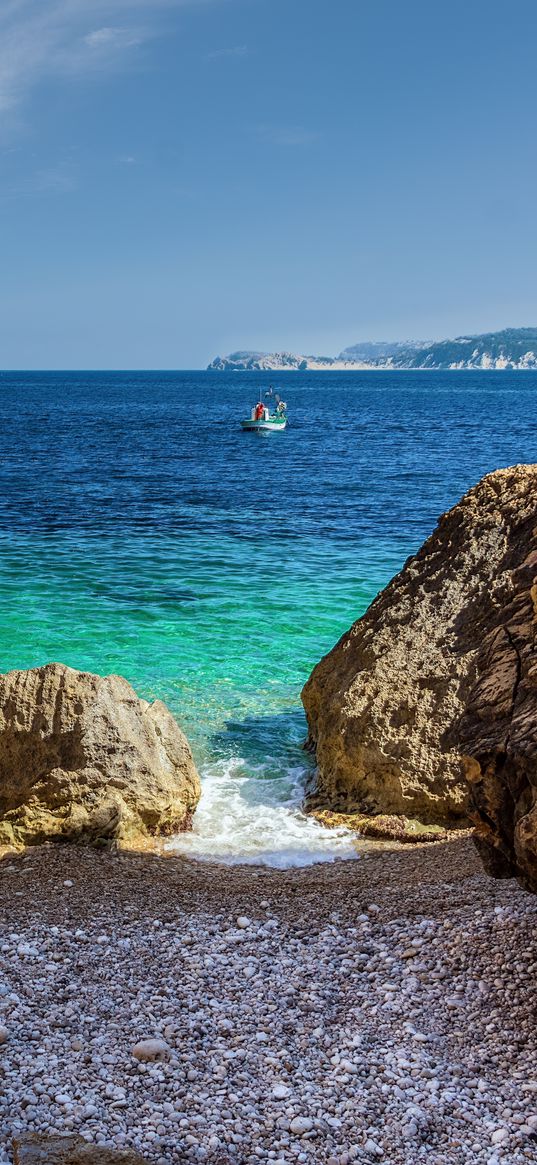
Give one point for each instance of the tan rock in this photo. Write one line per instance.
(82, 758)
(429, 674)
(152, 1049)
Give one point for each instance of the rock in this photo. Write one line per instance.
(372, 1149)
(429, 678)
(280, 1091)
(150, 1050)
(37, 1149)
(3, 1035)
(82, 758)
(300, 1125)
(243, 922)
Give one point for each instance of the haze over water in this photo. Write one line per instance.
(141, 532)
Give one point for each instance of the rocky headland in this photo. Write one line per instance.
(83, 759)
(510, 348)
(425, 711)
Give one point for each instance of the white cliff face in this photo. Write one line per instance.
(513, 349)
(291, 362)
(489, 363)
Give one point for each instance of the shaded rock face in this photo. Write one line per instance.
(83, 759)
(433, 685)
(498, 731)
(71, 1149)
(37, 1149)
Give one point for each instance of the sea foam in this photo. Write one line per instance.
(253, 819)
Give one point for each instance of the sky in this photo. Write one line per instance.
(184, 178)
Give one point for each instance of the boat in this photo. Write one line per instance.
(262, 419)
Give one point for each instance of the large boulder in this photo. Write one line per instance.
(433, 686)
(83, 759)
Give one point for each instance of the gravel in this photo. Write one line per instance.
(380, 1010)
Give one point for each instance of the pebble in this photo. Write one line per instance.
(373, 1149)
(243, 922)
(301, 1125)
(3, 1035)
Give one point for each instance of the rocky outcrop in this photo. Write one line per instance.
(82, 758)
(435, 685)
(509, 348)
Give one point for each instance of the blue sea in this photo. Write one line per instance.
(143, 533)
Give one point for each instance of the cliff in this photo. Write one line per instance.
(511, 348)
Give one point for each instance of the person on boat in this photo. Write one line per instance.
(259, 411)
(281, 407)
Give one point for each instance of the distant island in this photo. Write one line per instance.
(514, 348)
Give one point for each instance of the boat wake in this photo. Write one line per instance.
(250, 816)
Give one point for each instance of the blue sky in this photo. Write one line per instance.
(180, 178)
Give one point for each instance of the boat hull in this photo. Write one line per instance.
(274, 425)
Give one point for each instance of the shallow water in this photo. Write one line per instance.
(142, 532)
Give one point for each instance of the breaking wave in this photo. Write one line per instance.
(252, 817)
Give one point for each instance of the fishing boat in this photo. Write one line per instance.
(262, 419)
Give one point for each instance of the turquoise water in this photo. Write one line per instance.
(142, 532)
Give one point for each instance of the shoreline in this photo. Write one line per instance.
(425, 864)
(358, 368)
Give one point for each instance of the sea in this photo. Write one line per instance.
(143, 533)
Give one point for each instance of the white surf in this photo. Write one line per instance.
(249, 816)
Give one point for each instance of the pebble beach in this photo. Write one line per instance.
(374, 1010)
